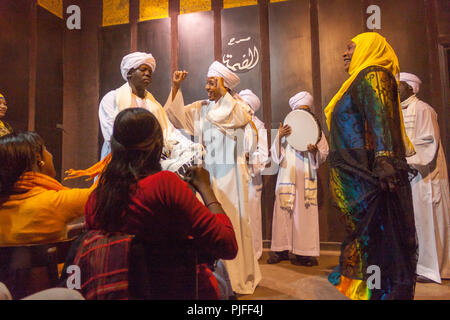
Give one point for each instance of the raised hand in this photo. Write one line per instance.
(178, 78)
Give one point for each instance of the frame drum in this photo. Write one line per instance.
(305, 129)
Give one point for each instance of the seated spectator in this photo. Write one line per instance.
(134, 196)
(34, 207)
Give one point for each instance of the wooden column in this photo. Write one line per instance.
(174, 11)
(315, 56)
(265, 63)
(217, 6)
(32, 65)
(268, 180)
(434, 57)
(134, 19)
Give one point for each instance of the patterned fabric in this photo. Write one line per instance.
(5, 129)
(104, 270)
(365, 131)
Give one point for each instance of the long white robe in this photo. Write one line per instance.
(298, 231)
(109, 109)
(225, 161)
(258, 161)
(430, 190)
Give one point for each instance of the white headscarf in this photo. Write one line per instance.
(230, 79)
(134, 60)
(412, 80)
(251, 99)
(303, 98)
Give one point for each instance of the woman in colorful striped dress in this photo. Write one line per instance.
(369, 176)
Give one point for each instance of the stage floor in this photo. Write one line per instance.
(284, 281)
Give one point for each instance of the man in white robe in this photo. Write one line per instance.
(430, 188)
(218, 123)
(258, 157)
(136, 69)
(295, 225)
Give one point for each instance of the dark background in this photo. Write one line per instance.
(53, 78)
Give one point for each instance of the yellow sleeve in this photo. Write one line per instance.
(70, 203)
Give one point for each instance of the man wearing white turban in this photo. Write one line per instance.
(258, 157)
(412, 80)
(430, 188)
(218, 123)
(137, 69)
(295, 225)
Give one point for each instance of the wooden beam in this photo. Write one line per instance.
(437, 100)
(315, 56)
(265, 63)
(174, 11)
(32, 60)
(217, 6)
(134, 19)
(268, 181)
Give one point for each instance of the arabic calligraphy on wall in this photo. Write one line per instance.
(240, 53)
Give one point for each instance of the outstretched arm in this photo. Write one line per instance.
(177, 78)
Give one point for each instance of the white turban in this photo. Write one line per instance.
(251, 99)
(301, 99)
(134, 60)
(412, 80)
(230, 79)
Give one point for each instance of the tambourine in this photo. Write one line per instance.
(305, 129)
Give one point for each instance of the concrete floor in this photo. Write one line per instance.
(284, 281)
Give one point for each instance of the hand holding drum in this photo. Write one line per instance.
(302, 130)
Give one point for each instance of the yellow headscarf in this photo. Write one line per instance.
(371, 49)
(2, 96)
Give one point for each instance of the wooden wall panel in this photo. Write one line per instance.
(404, 32)
(290, 72)
(154, 37)
(290, 54)
(339, 22)
(81, 91)
(114, 45)
(14, 64)
(195, 52)
(443, 17)
(49, 83)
